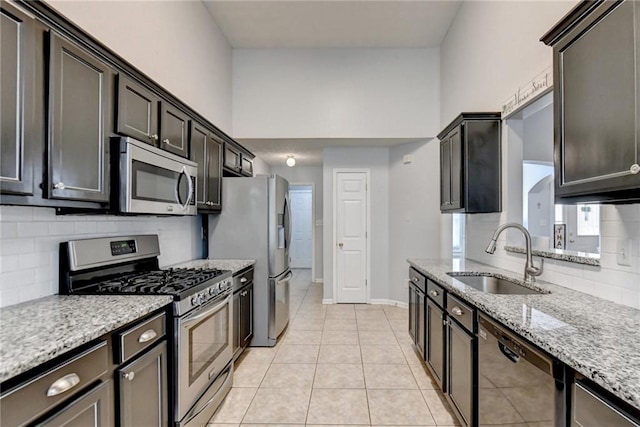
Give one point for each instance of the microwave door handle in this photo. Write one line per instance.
(189, 189)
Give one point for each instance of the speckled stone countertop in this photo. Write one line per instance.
(35, 332)
(234, 265)
(562, 255)
(598, 338)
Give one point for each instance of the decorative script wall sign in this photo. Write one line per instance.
(539, 85)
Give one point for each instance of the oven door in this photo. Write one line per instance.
(152, 181)
(204, 349)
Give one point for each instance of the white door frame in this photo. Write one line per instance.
(334, 236)
(313, 224)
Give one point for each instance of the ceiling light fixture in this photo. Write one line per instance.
(291, 161)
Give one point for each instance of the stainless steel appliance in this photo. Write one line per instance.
(200, 328)
(517, 383)
(591, 408)
(152, 181)
(256, 224)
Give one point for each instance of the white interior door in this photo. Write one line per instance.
(301, 229)
(351, 237)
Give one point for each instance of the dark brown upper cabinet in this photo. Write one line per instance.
(137, 115)
(206, 150)
(174, 133)
(19, 60)
(80, 106)
(246, 166)
(596, 67)
(232, 159)
(470, 164)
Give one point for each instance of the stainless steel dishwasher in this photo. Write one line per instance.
(517, 383)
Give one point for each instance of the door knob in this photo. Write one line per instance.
(340, 245)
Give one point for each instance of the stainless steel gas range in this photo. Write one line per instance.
(200, 330)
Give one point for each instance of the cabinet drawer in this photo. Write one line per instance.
(134, 340)
(32, 399)
(436, 292)
(461, 312)
(418, 280)
(242, 280)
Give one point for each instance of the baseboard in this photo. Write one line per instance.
(389, 302)
(318, 280)
(328, 301)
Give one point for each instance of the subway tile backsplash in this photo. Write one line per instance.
(30, 238)
(611, 281)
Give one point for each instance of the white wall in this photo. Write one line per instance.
(176, 43)
(377, 161)
(260, 167)
(335, 93)
(491, 49)
(414, 213)
(310, 174)
(30, 238)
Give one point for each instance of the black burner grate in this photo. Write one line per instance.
(170, 282)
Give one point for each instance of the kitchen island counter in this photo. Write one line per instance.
(598, 338)
(35, 332)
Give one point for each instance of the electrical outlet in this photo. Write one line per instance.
(407, 158)
(623, 251)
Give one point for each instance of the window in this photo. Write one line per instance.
(588, 220)
(458, 235)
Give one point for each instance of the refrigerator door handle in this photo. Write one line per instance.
(287, 222)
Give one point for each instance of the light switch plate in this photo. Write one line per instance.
(407, 158)
(623, 251)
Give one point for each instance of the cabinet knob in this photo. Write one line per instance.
(634, 169)
(457, 311)
(59, 186)
(154, 136)
(243, 280)
(130, 375)
(434, 293)
(166, 141)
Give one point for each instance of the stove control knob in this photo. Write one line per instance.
(194, 300)
(212, 291)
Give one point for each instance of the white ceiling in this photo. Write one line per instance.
(329, 24)
(333, 23)
(308, 152)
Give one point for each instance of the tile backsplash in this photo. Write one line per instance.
(30, 238)
(611, 281)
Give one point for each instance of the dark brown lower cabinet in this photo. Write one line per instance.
(243, 318)
(460, 372)
(142, 386)
(417, 317)
(435, 342)
(92, 409)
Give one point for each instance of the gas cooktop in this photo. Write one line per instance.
(171, 281)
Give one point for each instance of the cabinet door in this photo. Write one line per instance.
(435, 342)
(445, 174)
(413, 295)
(597, 125)
(231, 158)
(237, 321)
(80, 105)
(214, 173)
(174, 124)
(137, 111)
(143, 390)
(420, 323)
(460, 372)
(246, 166)
(246, 315)
(92, 409)
(17, 100)
(457, 171)
(199, 154)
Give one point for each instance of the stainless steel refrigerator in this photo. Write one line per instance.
(255, 223)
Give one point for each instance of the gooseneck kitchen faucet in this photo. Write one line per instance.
(530, 271)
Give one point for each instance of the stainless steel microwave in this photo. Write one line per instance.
(152, 181)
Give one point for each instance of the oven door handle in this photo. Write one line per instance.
(189, 319)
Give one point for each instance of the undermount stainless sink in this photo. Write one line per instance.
(487, 282)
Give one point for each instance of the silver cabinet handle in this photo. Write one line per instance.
(243, 280)
(63, 384)
(130, 375)
(154, 136)
(634, 169)
(415, 279)
(457, 311)
(59, 186)
(166, 141)
(434, 293)
(244, 294)
(147, 335)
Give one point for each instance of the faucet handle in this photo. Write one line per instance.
(536, 271)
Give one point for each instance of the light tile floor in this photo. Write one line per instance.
(344, 364)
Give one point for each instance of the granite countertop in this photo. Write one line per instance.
(598, 338)
(235, 265)
(37, 331)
